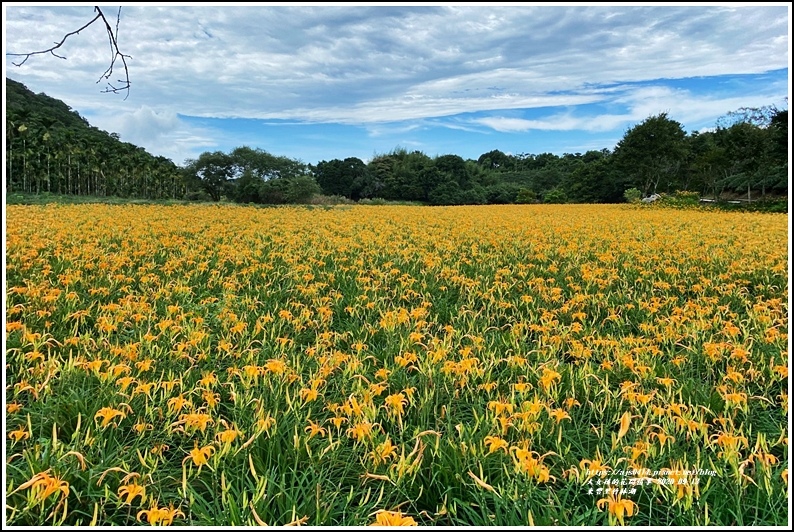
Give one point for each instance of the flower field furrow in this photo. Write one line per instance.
(501, 365)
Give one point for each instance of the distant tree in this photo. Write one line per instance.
(502, 193)
(446, 193)
(301, 189)
(757, 116)
(274, 192)
(747, 152)
(706, 165)
(411, 178)
(556, 195)
(777, 152)
(247, 188)
(367, 185)
(249, 175)
(211, 172)
(632, 195)
(779, 141)
(475, 195)
(380, 170)
(263, 165)
(452, 168)
(536, 162)
(526, 195)
(651, 153)
(744, 145)
(595, 181)
(496, 160)
(342, 178)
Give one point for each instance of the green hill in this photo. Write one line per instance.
(51, 148)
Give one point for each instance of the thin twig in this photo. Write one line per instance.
(114, 50)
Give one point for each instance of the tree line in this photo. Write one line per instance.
(51, 148)
(746, 153)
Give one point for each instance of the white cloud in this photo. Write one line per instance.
(500, 123)
(158, 132)
(560, 122)
(384, 64)
(640, 102)
(687, 107)
(285, 61)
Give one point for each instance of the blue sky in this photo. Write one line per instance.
(318, 82)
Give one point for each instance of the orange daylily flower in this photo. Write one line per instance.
(618, 506)
(130, 491)
(495, 443)
(387, 518)
(160, 516)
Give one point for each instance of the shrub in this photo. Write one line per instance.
(526, 195)
(682, 198)
(322, 199)
(633, 195)
(556, 195)
(197, 195)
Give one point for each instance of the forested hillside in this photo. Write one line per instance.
(51, 148)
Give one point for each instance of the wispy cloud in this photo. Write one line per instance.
(639, 102)
(376, 65)
(173, 137)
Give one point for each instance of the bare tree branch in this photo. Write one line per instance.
(116, 54)
(57, 45)
(114, 49)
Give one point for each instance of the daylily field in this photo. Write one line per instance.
(356, 365)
